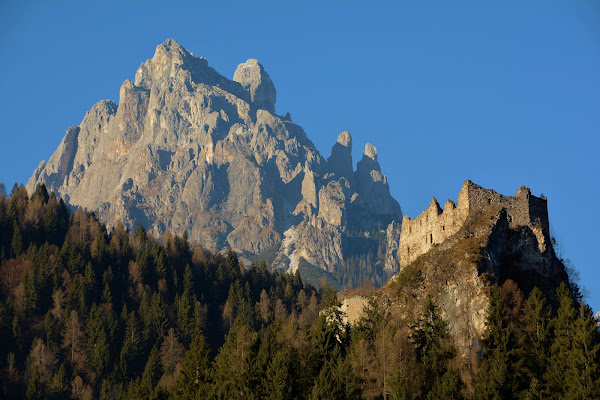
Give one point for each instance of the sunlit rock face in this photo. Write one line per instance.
(189, 150)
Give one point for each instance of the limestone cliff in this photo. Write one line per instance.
(189, 150)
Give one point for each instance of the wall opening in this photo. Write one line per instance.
(443, 228)
(431, 238)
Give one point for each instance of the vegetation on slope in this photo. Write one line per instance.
(86, 313)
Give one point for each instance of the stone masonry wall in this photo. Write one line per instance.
(435, 225)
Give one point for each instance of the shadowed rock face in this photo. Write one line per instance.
(189, 150)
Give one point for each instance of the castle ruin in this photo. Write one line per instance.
(435, 225)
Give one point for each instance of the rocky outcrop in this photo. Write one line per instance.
(255, 80)
(339, 162)
(497, 241)
(372, 185)
(189, 150)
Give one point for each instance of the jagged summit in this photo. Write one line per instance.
(370, 152)
(345, 139)
(255, 80)
(340, 160)
(189, 150)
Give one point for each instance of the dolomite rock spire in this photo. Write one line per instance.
(340, 161)
(373, 188)
(255, 80)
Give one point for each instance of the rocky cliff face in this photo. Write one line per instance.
(486, 238)
(189, 150)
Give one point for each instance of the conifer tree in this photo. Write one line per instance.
(430, 335)
(152, 371)
(495, 380)
(194, 379)
(278, 383)
(583, 370)
(158, 317)
(97, 344)
(16, 244)
(560, 350)
(536, 340)
(132, 345)
(233, 365)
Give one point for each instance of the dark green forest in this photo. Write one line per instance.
(90, 314)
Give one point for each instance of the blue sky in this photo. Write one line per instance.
(502, 93)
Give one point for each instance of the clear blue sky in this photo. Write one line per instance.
(505, 94)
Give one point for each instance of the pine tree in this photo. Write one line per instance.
(158, 317)
(35, 388)
(17, 332)
(132, 345)
(152, 371)
(495, 380)
(560, 350)
(430, 335)
(536, 340)
(335, 381)
(583, 371)
(233, 365)
(31, 295)
(97, 344)
(59, 384)
(185, 325)
(278, 383)
(16, 244)
(194, 378)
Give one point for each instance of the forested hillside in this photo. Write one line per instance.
(87, 314)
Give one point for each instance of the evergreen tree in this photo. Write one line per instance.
(560, 350)
(495, 380)
(60, 384)
(158, 317)
(233, 370)
(31, 295)
(583, 368)
(431, 335)
(152, 371)
(536, 340)
(97, 344)
(16, 244)
(35, 388)
(132, 345)
(194, 378)
(335, 381)
(278, 383)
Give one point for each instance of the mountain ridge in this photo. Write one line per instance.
(188, 150)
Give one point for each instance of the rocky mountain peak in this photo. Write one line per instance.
(370, 152)
(255, 80)
(340, 161)
(372, 185)
(190, 151)
(345, 139)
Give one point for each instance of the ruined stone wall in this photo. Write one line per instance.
(435, 225)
